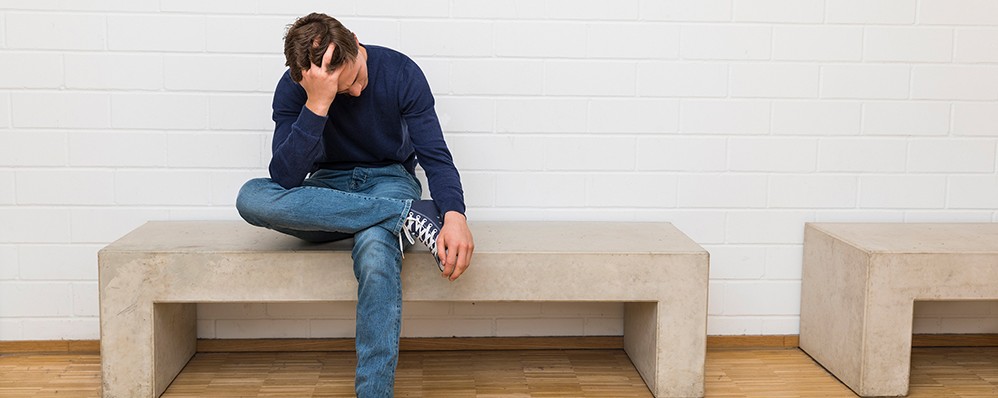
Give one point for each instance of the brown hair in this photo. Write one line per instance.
(306, 41)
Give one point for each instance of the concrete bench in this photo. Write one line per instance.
(151, 279)
(859, 285)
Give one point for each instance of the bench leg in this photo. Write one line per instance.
(667, 345)
(174, 341)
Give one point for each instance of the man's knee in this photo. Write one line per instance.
(376, 251)
(251, 203)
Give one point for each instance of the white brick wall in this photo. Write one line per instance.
(737, 120)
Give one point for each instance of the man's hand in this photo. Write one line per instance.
(455, 245)
(320, 84)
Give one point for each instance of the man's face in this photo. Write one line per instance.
(353, 75)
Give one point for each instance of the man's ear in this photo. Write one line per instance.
(356, 39)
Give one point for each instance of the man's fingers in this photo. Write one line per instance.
(328, 56)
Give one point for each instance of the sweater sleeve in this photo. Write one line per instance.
(297, 144)
(416, 103)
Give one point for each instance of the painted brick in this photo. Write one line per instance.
(784, 262)
(497, 152)
(7, 187)
(682, 153)
(211, 73)
(82, 5)
(429, 8)
(4, 111)
(120, 149)
(576, 78)
(245, 34)
(10, 330)
(488, 9)
(479, 188)
(459, 114)
(862, 155)
(540, 39)
(332, 309)
(114, 71)
(591, 9)
(951, 156)
(213, 150)
(240, 112)
(261, 328)
(380, 32)
(74, 110)
(739, 117)
(779, 11)
(947, 216)
(534, 115)
(757, 298)
(810, 191)
(206, 329)
(426, 309)
(682, 79)
(581, 153)
(131, 32)
(976, 45)
(630, 116)
(204, 213)
(781, 325)
(678, 10)
(34, 225)
(171, 187)
(970, 118)
(604, 310)
(465, 38)
(604, 327)
(225, 185)
(75, 31)
(107, 224)
(863, 215)
(703, 226)
(296, 8)
(33, 148)
(774, 81)
(447, 328)
(816, 117)
(65, 187)
(818, 43)
(779, 155)
(902, 191)
(722, 190)
(540, 327)
(972, 192)
(32, 299)
(958, 12)
(8, 262)
(540, 189)
(632, 190)
(31, 70)
(734, 325)
(907, 44)
(62, 329)
(954, 82)
(159, 111)
(503, 76)
(922, 325)
(736, 262)
(332, 328)
(864, 12)
(86, 299)
(489, 308)
(213, 7)
(906, 118)
(715, 297)
(633, 40)
(232, 310)
(865, 81)
(726, 42)
(767, 226)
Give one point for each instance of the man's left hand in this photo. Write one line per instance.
(455, 245)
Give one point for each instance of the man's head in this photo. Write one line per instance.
(308, 39)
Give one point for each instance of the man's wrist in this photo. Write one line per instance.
(454, 215)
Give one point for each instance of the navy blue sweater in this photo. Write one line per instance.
(391, 122)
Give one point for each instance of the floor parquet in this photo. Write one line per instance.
(773, 373)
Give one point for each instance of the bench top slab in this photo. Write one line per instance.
(490, 237)
(941, 238)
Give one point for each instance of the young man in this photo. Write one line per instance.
(352, 122)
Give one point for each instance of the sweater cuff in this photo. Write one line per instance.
(309, 122)
(450, 205)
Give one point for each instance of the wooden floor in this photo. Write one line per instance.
(936, 372)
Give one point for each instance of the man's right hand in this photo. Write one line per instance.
(320, 84)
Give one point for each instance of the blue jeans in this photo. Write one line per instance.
(369, 204)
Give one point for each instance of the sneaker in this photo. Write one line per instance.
(424, 224)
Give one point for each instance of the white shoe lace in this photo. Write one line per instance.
(424, 233)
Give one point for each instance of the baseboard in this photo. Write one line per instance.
(478, 343)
